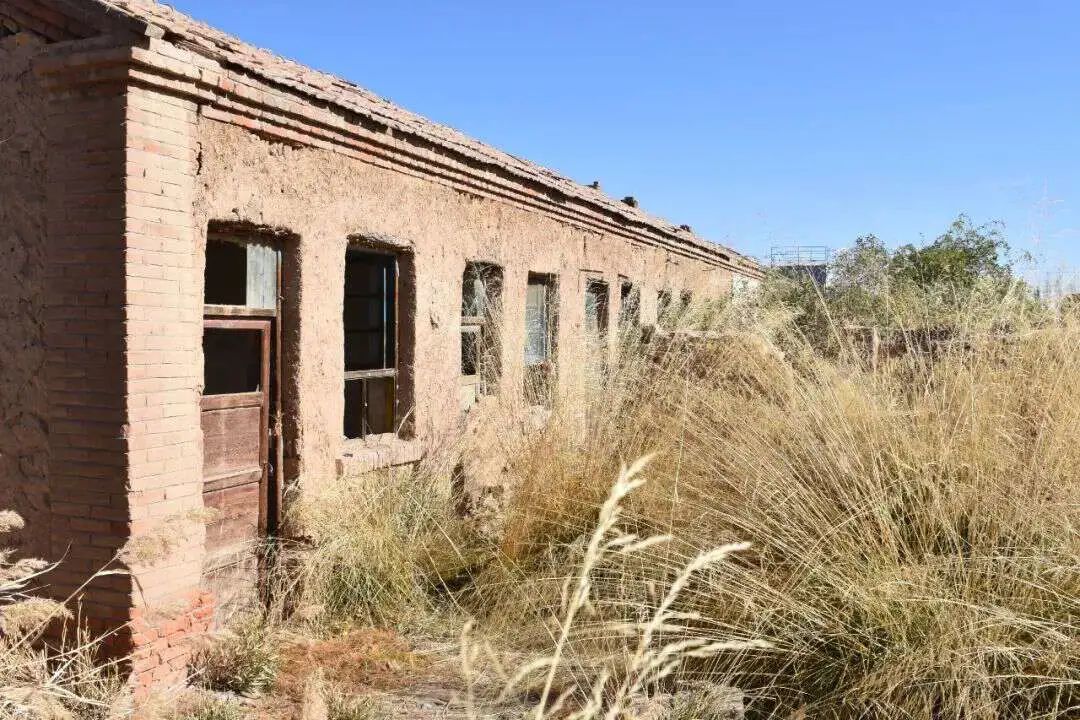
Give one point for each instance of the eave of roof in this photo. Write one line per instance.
(147, 17)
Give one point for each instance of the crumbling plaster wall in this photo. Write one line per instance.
(23, 428)
(324, 198)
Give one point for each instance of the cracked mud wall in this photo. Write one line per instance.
(23, 440)
(322, 198)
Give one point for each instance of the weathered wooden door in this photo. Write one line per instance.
(236, 442)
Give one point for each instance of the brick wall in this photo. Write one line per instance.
(85, 344)
(23, 439)
(164, 376)
(122, 326)
(162, 642)
(164, 331)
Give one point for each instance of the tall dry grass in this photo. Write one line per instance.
(376, 550)
(915, 526)
(658, 643)
(913, 521)
(65, 680)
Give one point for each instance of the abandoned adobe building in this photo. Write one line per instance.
(222, 272)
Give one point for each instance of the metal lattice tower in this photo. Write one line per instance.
(812, 260)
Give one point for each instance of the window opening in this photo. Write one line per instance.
(541, 319)
(232, 361)
(596, 308)
(630, 305)
(370, 323)
(481, 292)
(241, 272)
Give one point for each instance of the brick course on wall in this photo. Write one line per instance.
(162, 643)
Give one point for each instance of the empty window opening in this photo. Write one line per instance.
(241, 272)
(481, 298)
(665, 313)
(370, 324)
(596, 308)
(232, 361)
(630, 305)
(541, 324)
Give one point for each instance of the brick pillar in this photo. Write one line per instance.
(84, 337)
(123, 360)
(164, 377)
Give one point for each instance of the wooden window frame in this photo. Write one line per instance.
(481, 325)
(366, 376)
(539, 375)
(603, 302)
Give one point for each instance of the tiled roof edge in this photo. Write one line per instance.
(317, 86)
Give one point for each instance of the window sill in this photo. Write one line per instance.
(361, 455)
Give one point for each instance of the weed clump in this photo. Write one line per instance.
(242, 658)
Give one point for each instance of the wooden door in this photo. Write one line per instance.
(235, 425)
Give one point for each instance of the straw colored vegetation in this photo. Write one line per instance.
(858, 501)
(65, 680)
(912, 517)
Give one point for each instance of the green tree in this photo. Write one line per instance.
(963, 256)
(869, 285)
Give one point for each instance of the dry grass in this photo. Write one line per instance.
(656, 645)
(65, 681)
(915, 528)
(374, 549)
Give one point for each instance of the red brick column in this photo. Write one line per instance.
(85, 341)
(124, 356)
(164, 378)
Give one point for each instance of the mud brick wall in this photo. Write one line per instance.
(23, 422)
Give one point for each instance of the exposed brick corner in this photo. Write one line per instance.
(163, 642)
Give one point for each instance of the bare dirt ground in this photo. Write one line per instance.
(397, 677)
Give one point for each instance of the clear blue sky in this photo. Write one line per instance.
(757, 123)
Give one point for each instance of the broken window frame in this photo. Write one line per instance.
(597, 303)
(629, 305)
(480, 321)
(259, 286)
(539, 365)
(360, 427)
